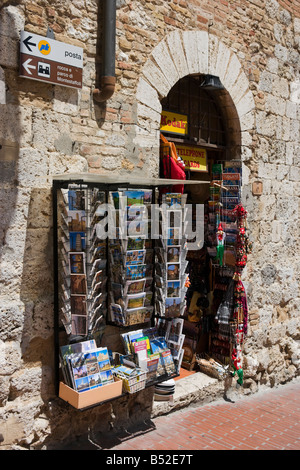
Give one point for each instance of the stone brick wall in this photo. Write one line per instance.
(44, 130)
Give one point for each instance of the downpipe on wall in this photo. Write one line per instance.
(108, 75)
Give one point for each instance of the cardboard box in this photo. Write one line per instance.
(90, 397)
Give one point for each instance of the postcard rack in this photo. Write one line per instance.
(102, 277)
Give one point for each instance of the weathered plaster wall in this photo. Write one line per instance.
(44, 130)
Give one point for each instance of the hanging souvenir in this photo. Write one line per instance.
(221, 235)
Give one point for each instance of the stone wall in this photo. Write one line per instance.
(44, 130)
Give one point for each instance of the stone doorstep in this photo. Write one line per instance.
(197, 387)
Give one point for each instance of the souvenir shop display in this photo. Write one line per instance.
(172, 306)
(227, 219)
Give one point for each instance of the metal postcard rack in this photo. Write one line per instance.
(104, 184)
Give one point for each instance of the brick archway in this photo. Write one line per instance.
(195, 52)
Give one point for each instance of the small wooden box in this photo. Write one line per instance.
(88, 398)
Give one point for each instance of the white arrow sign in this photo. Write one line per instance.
(27, 66)
(43, 47)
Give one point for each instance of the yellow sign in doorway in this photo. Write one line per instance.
(195, 158)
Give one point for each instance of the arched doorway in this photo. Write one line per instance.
(194, 75)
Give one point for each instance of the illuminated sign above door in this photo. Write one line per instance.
(174, 123)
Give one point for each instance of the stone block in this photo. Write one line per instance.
(165, 62)
(147, 95)
(196, 51)
(154, 75)
(180, 58)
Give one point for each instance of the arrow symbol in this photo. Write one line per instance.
(27, 66)
(27, 43)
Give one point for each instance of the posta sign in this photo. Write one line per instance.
(174, 123)
(194, 157)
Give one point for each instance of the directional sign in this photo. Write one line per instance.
(51, 61)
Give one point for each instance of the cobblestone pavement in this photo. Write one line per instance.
(268, 420)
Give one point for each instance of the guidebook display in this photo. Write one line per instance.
(131, 258)
(82, 261)
(151, 351)
(171, 278)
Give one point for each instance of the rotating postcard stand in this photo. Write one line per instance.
(131, 258)
(82, 261)
(171, 278)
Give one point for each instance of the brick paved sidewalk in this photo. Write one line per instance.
(268, 420)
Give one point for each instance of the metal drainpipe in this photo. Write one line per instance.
(108, 77)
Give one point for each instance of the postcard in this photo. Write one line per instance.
(78, 284)
(77, 241)
(173, 271)
(137, 271)
(134, 197)
(173, 288)
(174, 330)
(135, 300)
(136, 212)
(137, 228)
(173, 307)
(134, 243)
(77, 263)
(76, 199)
(134, 287)
(135, 257)
(117, 315)
(173, 254)
(79, 325)
(172, 199)
(78, 305)
(77, 221)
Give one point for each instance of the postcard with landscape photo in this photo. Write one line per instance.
(172, 306)
(134, 197)
(173, 288)
(135, 301)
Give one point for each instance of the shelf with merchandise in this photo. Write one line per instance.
(91, 275)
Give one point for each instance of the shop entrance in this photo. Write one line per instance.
(200, 140)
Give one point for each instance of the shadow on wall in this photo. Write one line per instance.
(26, 309)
